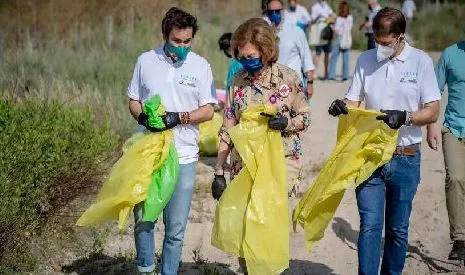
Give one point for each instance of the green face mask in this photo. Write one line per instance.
(180, 52)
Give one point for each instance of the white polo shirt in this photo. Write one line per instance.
(300, 15)
(404, 83)
(294, 51)
(182, 88)
(320, 11)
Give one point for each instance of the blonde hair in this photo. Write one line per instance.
(259, 33)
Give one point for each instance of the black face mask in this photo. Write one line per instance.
(369, 7)
(292, 8)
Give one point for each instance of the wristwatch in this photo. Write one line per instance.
(309, 81)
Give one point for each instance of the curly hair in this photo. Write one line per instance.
(260, 34)
(176, 17)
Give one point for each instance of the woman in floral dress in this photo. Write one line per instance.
(263, 81)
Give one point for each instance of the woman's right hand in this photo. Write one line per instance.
(218, 186)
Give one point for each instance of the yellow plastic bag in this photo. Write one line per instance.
(363, 145)
(129, 179)
(136, 176)
(251, 220)
(208, 137)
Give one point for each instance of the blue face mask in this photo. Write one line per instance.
(274, 16)
(252, 65)
(180, 52)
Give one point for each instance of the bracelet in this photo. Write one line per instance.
(409, 119)
(185, 117)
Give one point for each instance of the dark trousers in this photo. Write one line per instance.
(370, 41)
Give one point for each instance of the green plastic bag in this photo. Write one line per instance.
(162, 186)
(164, 179)
(153, 109)
(147, 171)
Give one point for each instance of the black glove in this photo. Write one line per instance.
(143, 120)
(393, 118)
(218, 186)
(171, 119)
(338, 107)
(277, 122)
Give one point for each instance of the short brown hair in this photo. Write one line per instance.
(260, 34)
(176, 17)
(344, 9)
(389, 21)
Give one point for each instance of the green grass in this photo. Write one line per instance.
(95, 67)
(50, 153)
(63, 108)
(435, 30)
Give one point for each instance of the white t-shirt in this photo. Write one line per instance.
(320, 11)
(182, 88)
(371, 16)
(294, 51)
(300, 15)
(404, 83)
(343, 23)
(408, 8)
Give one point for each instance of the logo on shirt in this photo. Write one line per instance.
(409, 77)
(188, 80)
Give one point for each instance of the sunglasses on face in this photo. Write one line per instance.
(269, 12)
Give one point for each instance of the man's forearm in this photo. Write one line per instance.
(428, 115)
(135, 107)
(202, 114)
(309, 75)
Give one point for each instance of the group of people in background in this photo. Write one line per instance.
(329, 33)
(271, 63)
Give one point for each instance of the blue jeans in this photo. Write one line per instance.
(333, 63)
(175, 217)
(390, 191)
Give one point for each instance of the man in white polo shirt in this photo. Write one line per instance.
(185, 84)
(400, 81)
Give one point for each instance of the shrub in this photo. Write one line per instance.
(435, 29)
(50, 153)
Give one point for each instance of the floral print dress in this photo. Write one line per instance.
(280, 86)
